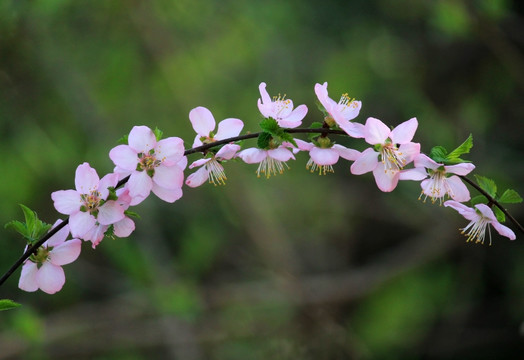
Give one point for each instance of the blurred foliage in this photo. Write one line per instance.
(295, 267)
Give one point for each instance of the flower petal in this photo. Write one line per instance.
(110, 180)
(124, 227)
(460, 169)
(170, 150)
(198, 178)
(229, 128)
(404, 132)
(169, 177)
(168, 195)
(355, 130)
(422, 160)
(346, 153)
(252, 155)
(458, 191)
(376, 131)
(324, 156)
(228, 151)
(60, 236)
(65, 253)
(467, 212)
(139, 184)
(50, 278)
(386, 180)
(202, 120)
(415, 174)
(366, 162)
(110, 213)
(80, 223)
(504, 230)
(281, 154)
(27, 280)
(66, 201)
(409, 150)
(141, 139)
(124, 157)
(199, 162)
(294, 119)
(86, 179)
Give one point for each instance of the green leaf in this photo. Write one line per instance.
(263, 140)
(510, 197)
(6, 304)
(158, 133)
(499, 214)
(30, 218)
(438, 154)
(269, 125)
(321, 108)
(479, 199)
(285, 136)
(316, 125)
(33, 228)
(123, 140)
(487, 185)
(461, 149)
(131, 214)
(18, 227)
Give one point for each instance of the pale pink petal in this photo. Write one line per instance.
(324, 156)
(252, 155)
(422, 160)
(294, 119)
(467, 212)
(229, 128)
(460, 169)
(350, 111)
(182, 163)
(170, 150)
(139, 184)
(228, 151)
(65, 253)
(264, 104)
(141, 139)
(124, 157)
(50, 278)
(96, 234)
(459, 191)
(198, 178)
(135, 200)
(197, 142)
(110, 213)
(386, 180)
(355, 130)
(199, 162)
(366, 162)
(303, 145)
(281, 154)
(169, 177)
(124, 227)
(486, 211)
(60, 236)
(346, 153)
(66, 201)
(504, 230)
(404, 132)
(409, 151)
(168, 195)
(376, 131)
(86, 179)
(202, 120)
(110, 180)
(27, 280)
(80, 223)
(322, 95)
(415, 174)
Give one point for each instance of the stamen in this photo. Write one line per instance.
(322, 169)
(347, 101)
(217, 176)
(392, 159)
(476, 230)
(270, 166)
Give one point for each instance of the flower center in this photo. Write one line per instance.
(280, 103)
(91, 201)
(437, 187)
(347, 101)
(216, 176)
(270, 166)
(476, 230)
(392, 158)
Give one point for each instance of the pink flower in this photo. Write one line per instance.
(43, 270)
(211, 169)
(204, 124)
(280, 109)
(342, 112)
(479, 218)
(440, 183)
(393, 157)
(271, 161)
(325, 154)
(87, 206)
(152, 165)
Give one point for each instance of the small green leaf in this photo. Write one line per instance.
(131, 214)
(269, 125)
(479, 199)
(123, 140)
(30, 218)
(6, 304)
(18, 227)
(499, 214)
(263, 140)
(321, 108)
(510, 197)
(316, 125)
(284, 136)
(461, 149)
(158, 134)
(487, 185)
(438, 153)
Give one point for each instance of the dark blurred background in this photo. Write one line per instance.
(294, 267)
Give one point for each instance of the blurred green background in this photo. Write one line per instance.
(294, 267)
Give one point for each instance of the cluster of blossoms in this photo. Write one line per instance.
(147, 163)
